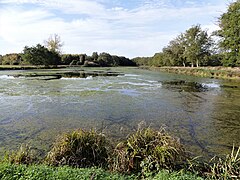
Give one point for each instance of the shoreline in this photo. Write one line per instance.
(210, 72)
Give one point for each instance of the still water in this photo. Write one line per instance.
(35, 111)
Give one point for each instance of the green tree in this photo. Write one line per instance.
(192, 47)
(94, 56)
(174, 52)
(54, 43)
(141, 61)
(229, 23)
(197, 45)
(105, 59)
(1, 57)
(11, 59)
(158, 60)
(39, 55)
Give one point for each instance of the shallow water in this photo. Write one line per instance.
(35, 111)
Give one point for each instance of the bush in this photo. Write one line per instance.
(79, 149)
(148, 151)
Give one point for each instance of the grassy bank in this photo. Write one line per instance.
(145, 154)
(40, 172)
(211, 72)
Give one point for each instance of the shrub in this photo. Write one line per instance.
(148, 151)
(79, 149)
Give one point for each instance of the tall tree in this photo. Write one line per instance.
(54, 43)
(94, 56)
(197, 45)
(192, 47)
(39, 55)
(174, 52)
(229, 23)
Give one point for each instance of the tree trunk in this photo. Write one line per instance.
(184, 65)
(197, 63)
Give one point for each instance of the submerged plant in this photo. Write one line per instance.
(79, 149)
(148, 151)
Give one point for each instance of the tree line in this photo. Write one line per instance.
(39, 55)
(196, 48)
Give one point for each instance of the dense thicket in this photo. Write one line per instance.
(102, 59)
(39, 55)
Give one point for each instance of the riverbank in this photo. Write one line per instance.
(145, 154)
(211, 72)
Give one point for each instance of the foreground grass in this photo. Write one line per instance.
(145, 154)
(42, 172)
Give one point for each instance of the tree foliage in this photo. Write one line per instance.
(11, 59)
(102, 59)
(39, 55)
(229, 23)
(54, 43)
(190, 48)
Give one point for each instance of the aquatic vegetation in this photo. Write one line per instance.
(79, 149)
(51, 75)
(148, 151)
(182, 85)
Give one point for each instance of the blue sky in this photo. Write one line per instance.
(123, 27)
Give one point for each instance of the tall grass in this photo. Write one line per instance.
(148, 151)
(79, 149)
(227, 167)
(24, 155)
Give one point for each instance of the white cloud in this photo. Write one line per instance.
(93, 26)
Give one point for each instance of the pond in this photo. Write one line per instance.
(204, 113)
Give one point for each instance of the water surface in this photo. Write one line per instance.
(35, 111)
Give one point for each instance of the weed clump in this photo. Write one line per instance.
(79, 149)
(24, 155)
(227, 167)
(148, 151)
